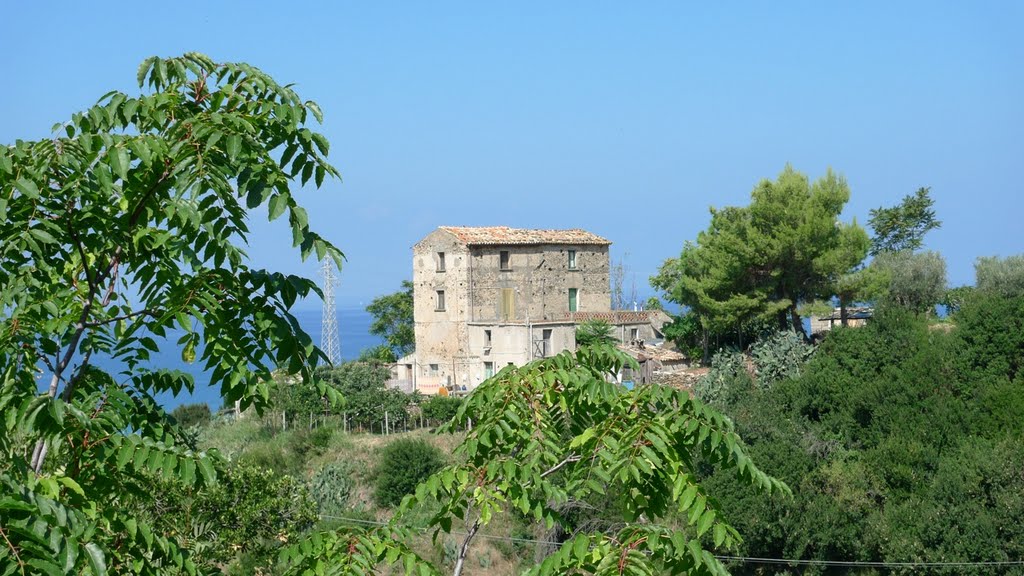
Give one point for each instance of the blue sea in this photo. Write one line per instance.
(353, 329)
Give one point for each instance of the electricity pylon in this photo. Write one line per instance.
(330, 341)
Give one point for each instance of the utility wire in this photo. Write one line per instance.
(743, 559)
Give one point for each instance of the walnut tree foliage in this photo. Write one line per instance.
(556, 429)
(126, 226)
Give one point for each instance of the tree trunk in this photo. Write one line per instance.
(798, 322)
(464, 549)
(843, 316)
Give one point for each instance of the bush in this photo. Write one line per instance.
(595, 332)
(917, 280)
(331, 488)
(440, 408)
(403, 464)
(780, 356)
(276, 455)
(304, 443)
(728, 373)
(189, 415)
(1004, 277)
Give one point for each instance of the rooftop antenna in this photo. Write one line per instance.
(330, 342)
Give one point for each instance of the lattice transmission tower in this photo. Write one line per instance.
(330, 341)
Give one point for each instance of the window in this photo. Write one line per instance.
(440, 301)
(433, 370)
(504, 260)
(488, 369)
(573, 304)
(487, 338)
(572, 259)
(440, 261)
(508, 307)
(543, 346)
(634, 333)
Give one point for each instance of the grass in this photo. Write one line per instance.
(302, 452)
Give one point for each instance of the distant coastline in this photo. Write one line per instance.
(353, 328)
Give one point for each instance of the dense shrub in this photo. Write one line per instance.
(255, 510)
(901, 442)
(189, 415)
(917, 280)
(402, 465)
(306, 443)
(728, 374)
(353, 377)
(277, 455)
(990, 336)
(779, 356)
(594, 332)
(331, 488)
(440, 408)
(235, 525)
(1004, 277)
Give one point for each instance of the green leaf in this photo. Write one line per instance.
(42, 235)
(124, 454)
(705, 522)
(688, 495)
(233, 146)
(207, 471)
(27, 187)
(580, 545)
(144, 68)
(118, 160)
(719, 534)
(213, 139)
(315, 109)
(278, 204)
(97, 561)
(45, 566)
(141, 150)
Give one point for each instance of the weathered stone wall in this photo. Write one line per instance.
(450, 343)
(440, 334)
(540, 279)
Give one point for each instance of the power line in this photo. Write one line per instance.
(744, 559)
(454, 532)
(869, 564)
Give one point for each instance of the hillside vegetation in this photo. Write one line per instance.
(903, 441)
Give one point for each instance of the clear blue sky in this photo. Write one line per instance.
(627, 119)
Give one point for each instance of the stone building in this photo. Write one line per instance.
(485, 297)
(855, 317)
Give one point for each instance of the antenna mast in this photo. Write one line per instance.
(330, 342)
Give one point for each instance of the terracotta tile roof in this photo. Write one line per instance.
(503, 235)
(652, 352)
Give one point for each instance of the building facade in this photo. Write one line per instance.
(485, 297)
